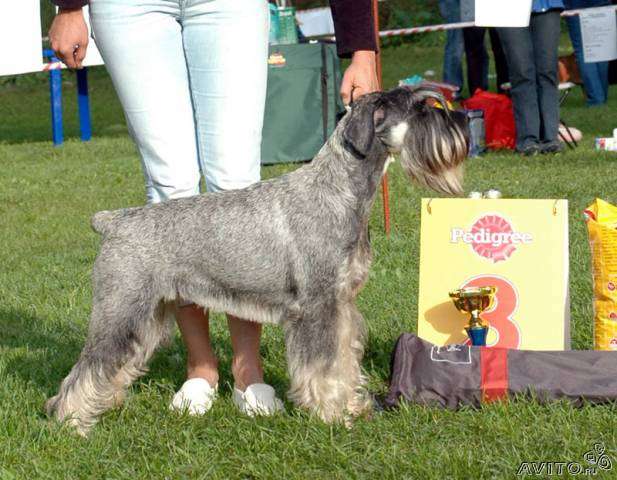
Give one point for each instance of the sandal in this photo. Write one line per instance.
(257, 399)
(196, 397)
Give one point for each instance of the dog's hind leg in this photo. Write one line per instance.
(324, 350)
(123, 335)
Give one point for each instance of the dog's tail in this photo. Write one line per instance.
(101, 221)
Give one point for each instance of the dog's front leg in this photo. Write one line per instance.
(324, 349)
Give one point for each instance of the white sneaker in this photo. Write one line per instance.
(196, 397)
(257, 399)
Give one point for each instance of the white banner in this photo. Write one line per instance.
(599, 33)
(20, 37)
(93, 57)
(503, 13)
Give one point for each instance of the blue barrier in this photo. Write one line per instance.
(55, 97)
(55, 100)
(83, 103)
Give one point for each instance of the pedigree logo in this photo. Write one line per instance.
(491, 237)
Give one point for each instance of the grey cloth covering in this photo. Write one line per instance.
(452, 376)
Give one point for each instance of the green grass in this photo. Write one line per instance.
(47, 196)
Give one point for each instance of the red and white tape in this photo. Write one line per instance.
(429, 28)
(53, 66)
(572, 13)
(454, 26)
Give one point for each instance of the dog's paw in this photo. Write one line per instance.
(50, 406)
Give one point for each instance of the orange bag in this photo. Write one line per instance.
(498, 118)
(601, 218)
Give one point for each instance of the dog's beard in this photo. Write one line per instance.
(434, 154)
(448, 181)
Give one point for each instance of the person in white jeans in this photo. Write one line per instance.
(191, 77)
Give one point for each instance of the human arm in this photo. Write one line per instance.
(68, 33)
(355, 38)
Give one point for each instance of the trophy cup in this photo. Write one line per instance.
(474, 300)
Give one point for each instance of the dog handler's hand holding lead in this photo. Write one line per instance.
(360, 77)
(69, 36)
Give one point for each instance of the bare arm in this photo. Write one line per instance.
(69, 36)
(355, 37)
(360, 77)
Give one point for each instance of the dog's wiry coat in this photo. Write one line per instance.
(292, 251)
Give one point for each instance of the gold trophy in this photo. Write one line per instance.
(474, 300)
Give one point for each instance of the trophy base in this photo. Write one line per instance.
(477, 335)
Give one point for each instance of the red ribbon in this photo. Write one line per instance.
(493, 373)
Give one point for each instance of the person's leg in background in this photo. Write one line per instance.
(518, 48)
(228, 83)
(143, 52)
(477, 59)
(545, 31)
(603, 74)
(501, 64)
(453, 52)
(594, 75)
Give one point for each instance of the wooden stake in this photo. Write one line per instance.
(385, 193)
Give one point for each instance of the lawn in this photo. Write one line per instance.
(47, 248)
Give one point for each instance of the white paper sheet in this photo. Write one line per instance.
(503, 13)
(315, 22)
(20, 37)
(599, 32)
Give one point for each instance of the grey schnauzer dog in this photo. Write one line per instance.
(292, 251)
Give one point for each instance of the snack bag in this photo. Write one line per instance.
(601, 218)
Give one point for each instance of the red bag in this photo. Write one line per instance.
(498, 118)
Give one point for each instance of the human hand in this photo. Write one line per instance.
(69, 37)
(360, 77)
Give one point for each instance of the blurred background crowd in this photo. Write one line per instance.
(528, 65)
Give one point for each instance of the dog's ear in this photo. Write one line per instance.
(366, 115)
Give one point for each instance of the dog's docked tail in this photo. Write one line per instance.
(101, 221)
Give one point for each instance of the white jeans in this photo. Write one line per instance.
(191, 76)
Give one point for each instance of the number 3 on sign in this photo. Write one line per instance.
(500, 316)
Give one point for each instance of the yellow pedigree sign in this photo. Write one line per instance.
(518, 246)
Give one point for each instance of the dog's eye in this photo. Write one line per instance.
(379, 116)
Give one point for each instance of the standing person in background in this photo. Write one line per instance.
(478, 60)
(453, 51)
(594, 75)
(475, 51)
(532, 54)
(191, 77)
